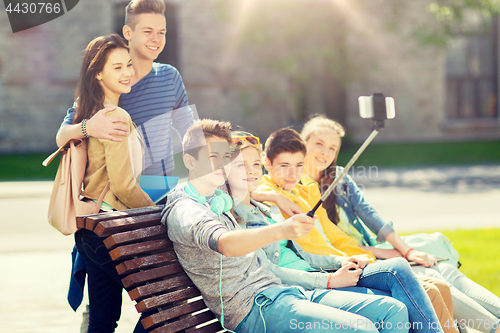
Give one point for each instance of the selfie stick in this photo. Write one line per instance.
(378, 119)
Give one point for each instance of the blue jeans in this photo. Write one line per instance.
(292, 309)
(473, 305)
(104, 284)
(395, 275)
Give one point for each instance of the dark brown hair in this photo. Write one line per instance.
(89, 95)
(201, 130)
(136, 7)
(285, 140)
(314, 125)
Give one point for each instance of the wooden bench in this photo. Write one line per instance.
(151, 273)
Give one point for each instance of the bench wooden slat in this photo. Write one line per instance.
(92, 220)
(106, 228)
(142, 234)
(131, 250)
(148, 290)
(161, 300)
(214, 326)
(186, 322)
(150, 275)
(174, 312)
(134, 265)
(80, 222)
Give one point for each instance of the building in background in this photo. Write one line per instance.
(268, 64)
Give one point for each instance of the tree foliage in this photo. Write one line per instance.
(457, 17)
(304, 43)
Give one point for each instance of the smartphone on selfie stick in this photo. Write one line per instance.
(376, 107)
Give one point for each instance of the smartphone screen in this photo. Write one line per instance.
(366, 107)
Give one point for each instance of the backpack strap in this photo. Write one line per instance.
(60, 149)
(101, 198)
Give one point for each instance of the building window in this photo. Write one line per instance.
(472, 72)
(169, 55)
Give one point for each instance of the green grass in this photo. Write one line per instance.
(425, 154)
(478, 255)
(28, 166)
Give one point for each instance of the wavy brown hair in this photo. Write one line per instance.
(89, 96)
(315, 124)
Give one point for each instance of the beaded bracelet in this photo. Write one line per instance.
(408, 252)
(84, 128)
(329, 280)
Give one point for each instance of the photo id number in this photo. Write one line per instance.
(34, 8)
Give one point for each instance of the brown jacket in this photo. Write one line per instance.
(117, 162)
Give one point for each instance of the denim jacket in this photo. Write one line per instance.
(360, 213)
(249, 217)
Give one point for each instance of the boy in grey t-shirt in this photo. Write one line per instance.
(233, 277)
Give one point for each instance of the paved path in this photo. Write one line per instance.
(434, 198)
(35, 263)
(35, 259)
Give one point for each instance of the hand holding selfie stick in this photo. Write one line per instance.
(376, 107)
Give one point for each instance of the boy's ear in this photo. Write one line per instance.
(188, 161)
(127, 32)
(267, 163)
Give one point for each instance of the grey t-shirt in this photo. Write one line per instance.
(195, 230)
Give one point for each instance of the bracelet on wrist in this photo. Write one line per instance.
(408, 252)
(329, 281)
(83, 127)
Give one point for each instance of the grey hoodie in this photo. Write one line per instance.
(194, 230)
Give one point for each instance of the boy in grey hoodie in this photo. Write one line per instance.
(224, 262)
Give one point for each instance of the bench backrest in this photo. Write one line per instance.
(151, 273)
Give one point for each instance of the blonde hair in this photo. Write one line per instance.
(319, 122)
(316, 124)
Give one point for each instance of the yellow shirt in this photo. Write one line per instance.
(325, 238)
(343, 224)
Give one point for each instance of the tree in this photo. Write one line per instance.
(304, 42)
(454, 18)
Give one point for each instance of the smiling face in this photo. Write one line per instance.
(115, 78)
(322, 149)
(286, 169)
(148, 38)
(212, 165)
(246, 172)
